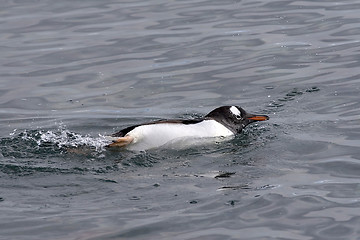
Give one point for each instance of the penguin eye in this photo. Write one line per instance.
(238, 117)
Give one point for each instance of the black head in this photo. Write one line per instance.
(234, 118)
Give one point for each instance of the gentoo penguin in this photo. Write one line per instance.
(223, 121)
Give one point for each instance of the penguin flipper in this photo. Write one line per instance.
(121, 142)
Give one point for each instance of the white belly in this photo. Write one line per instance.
(156, 135)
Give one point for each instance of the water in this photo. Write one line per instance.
(75, 71)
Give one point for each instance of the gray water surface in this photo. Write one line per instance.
(74, 71)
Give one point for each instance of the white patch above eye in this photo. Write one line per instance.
(235, 111)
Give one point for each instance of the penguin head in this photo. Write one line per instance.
(234, 118)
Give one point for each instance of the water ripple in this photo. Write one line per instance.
(96, 67)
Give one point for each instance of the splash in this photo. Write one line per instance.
(62, 138)
(66, 138)
(59, 150)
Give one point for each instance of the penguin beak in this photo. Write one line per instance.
(256, 118)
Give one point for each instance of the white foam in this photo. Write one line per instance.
(65, 138)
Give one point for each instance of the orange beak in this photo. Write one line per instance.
(259, 117)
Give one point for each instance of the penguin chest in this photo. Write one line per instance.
(156, 135)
